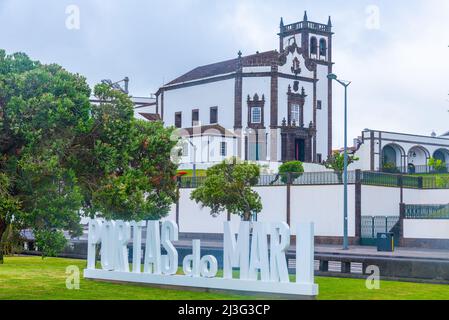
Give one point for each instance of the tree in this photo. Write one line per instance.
(438, 165)
(228, 186)
(129, 175)
(294, 168)
(336, 162)
(62, 156)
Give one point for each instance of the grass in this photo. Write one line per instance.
(31, 278)
(199, 172)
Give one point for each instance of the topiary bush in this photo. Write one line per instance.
(295, 168)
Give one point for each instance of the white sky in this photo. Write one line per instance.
(399, 70)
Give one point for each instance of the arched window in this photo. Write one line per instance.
(389, 155)
(323, 47)
(313, 45)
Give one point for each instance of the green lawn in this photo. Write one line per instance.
(199, 172)
(31, 278)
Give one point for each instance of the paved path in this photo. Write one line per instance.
(364, 251)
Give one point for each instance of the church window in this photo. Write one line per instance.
(295, 113)
(256, 115)
(223, 149)
(213, 115)
(319, 104)
(178, 120)
(195, 117)
(323, 48)
(313, 45)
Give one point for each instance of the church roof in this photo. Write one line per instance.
(211, 129)
(228, 66)
(151, 116)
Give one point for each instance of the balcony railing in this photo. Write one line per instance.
(307, 25)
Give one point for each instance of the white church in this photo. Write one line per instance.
(276, 106)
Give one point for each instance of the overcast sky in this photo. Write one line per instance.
(395, 52)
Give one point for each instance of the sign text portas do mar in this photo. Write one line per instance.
(258, 256)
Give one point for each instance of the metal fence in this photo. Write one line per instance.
(424, 169)
(372, 178)
(295, 179)
(372, 225)
(421, 212)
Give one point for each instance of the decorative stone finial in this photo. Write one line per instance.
(305, 16)
(284, 122)
(329, 23)
(239, 54)
(281, 25)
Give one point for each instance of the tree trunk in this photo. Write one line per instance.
(2, 231)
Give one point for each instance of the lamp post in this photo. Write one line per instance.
(194, 159)
(345, 84)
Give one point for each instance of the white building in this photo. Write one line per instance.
(402, 152)
(269, 107)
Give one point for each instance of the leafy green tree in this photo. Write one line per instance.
(336, 162)
(62, 156)
(294, 168)
(438, 165)
(228, 187)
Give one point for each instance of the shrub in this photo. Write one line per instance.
(438, 165)
(390, 167)
(296, 169)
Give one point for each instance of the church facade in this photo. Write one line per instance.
(272, 106)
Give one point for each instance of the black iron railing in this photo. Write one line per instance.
(370, 178)
(427, 211)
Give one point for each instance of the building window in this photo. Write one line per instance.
(295, 114)
(195, 117)
(313, 45)
(256, 115)
(223, 149)
(185, 149)
(213, 115)
(319, 104)
(323, 48)
(178, 120)
(319, 158)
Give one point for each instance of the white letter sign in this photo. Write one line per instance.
(262, 265)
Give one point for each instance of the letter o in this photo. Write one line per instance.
(209, 266)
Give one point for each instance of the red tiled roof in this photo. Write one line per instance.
(228, 66)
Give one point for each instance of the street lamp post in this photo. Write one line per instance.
(194, 159)
(345, 84)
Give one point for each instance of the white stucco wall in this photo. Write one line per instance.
(412, 196)
(426, 229)
(380, 201)
(306, 205)
(323, 205)
(202, 97)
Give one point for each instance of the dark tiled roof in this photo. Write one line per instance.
(151, 116)
(208, 129)
(228, 66)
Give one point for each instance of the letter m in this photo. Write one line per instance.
(236, 252)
